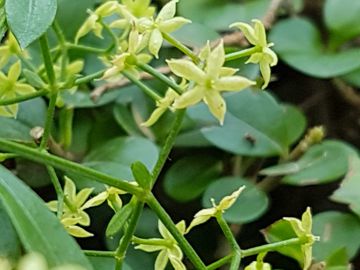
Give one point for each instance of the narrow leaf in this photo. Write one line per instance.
(118, 220)
(39, 230)
(28, 20)
(141, 174)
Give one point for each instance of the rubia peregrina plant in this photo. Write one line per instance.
(136, 34)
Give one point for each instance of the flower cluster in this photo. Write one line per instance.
(76, 203)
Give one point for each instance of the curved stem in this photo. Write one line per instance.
(58, 189)
(90, 77)
(76, 47)
(130, 230)
(181, 47)
(220, 262)
(149, 69)
(241, 54)
(23, 97)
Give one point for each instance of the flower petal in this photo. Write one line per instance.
(161, 260)
(226, 71)
(70, 189)
(229, 200)
(149, 248)
(216, 104)
(187, 70)
(260, 33)
(14, 72)
(215, 61)
(233, 83)
(95, 201)
(155, 42)
(82, 197)
(78, 232)
(154, 117)
(163, 231)
(189, 98)
(167, 12)
(173, 24)
(248, 31)
(265, 72)
(197, 221)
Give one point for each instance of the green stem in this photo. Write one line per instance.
(99, 253)
(220, 262)
(49, 120)
(151, 241)
(58, 189)
(181, 240)
(126, 239)
(147, 90)
(236, 258)
(68, 166)
(169, 143)
(47, 60)
(181, 47)
(66, 123)
(27, 63)
(23, 97)
(241, 54)
(90, 77)
(76, 47)
(156, 74)
(270, 247)
(113, 37)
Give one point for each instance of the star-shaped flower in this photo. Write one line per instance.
(11, 88)
(161, 106)
(258, 266)
(265, 57)
(131, 55)
(209, 83)
(168, 247)
(205, 214)
(10, 48)
(302, 229)
(165, 22)
(93, 22)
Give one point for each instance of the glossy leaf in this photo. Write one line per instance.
(299, 44)
(3, 26)
(321, 164)
(187, 178)
(10, 246)
(282, 230)
(341, 17)
(28, 20)
(39, 230)
(336, 230)
(255, 125)
(124, 117)
(250, 205)
(349, 190)
(14, 130)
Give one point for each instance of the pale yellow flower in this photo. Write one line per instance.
(11, 88)
(258, 266)
(205, 214)
(209, 83)
(302, 229)
(168, 247)
(265, 57)
(10, 48)
(35, 261)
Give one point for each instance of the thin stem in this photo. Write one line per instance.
(59, 33)
(113, 37)
(169, 143)
(220, 262)
(58, 189)
(181, 47)
(130, 230)
(90, 77)
(68, 166)
(181, 240)
(49, 120)
(27, 63)
(270, 247)
(147, 90)
(152, 241)
(66, 123)
(76, 47)
(241, 54)
(47, 60)
(149, 69)
(236, 259)
(23, 97)
(99, 253)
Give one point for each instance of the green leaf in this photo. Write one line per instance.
(299, 44)
(336, 230)
(255, 125)
(82, 99)
(218, 15)
(118, 221)
(39, 230)
(12, 129)
(188, 177)
(338, 258)
(341, 18)
(250, 205)
(321, 164)
(10, 246)
(125, 118)
(116, 156)
(28, 20)
(141, 174)
(33, 78)
(349, 190)
(3, 26)
(282, 230)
